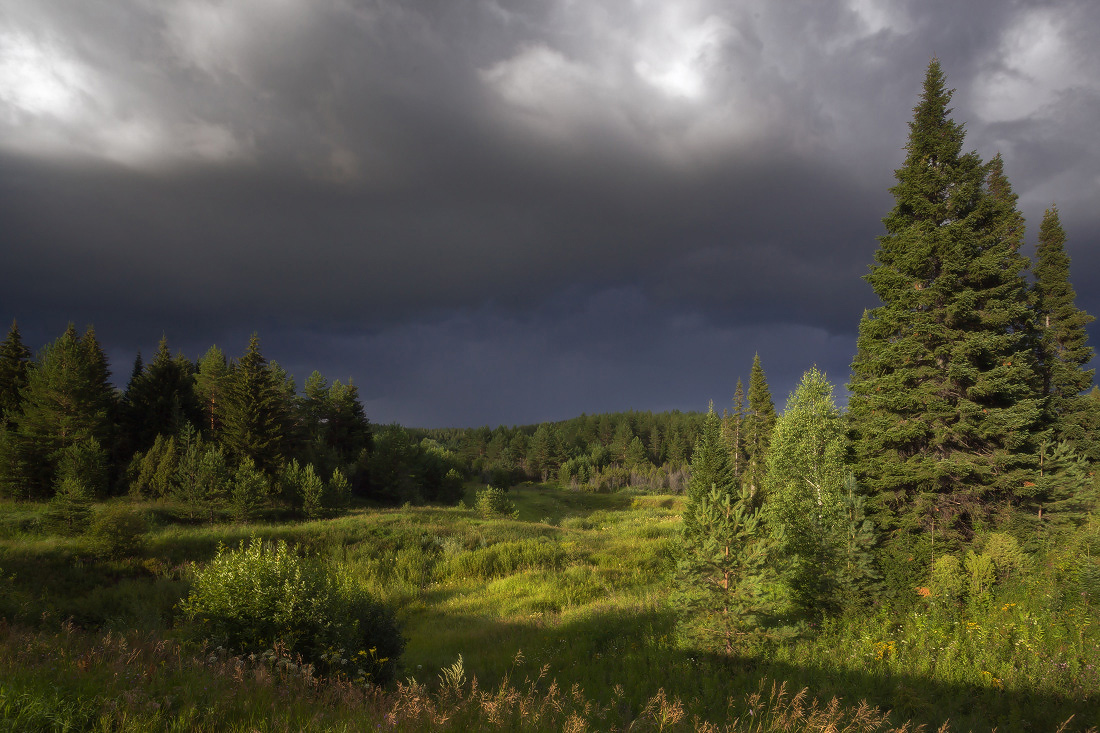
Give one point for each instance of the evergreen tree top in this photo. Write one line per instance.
(760, 397)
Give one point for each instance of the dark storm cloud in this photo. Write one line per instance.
(499, 212)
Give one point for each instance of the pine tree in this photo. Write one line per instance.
(255, 410)
(759, 424)
(210, 386)
(248, 490)
(67, 399)
(160, 400)
(15, 359)
(1063, 347)
(710, 467)
(943, 407)
(724, 572)
(333, 424)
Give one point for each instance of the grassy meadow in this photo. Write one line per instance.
(554, 619)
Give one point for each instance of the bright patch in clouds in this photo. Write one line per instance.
(36, 80)
(678, 55)
(1036, 62)
(51, 105)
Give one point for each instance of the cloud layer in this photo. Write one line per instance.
(490, 212)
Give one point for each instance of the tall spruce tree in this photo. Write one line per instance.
(15, 358)
(67, 400)
(1063, 342)
(160, 400)
(944, 408)
(210, 386)
(759, 425)
(733, 431)
(255, 412)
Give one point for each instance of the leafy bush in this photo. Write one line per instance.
(264, 596)
(1005, 552)
(948, 582)
(117, 532)
(491, 502)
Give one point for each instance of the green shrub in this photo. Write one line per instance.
(70, 509)
(117, 532)
(248, 489)
(491, 502)
(948, 583)
(982, 572)
(1005, 552)
(264, 596)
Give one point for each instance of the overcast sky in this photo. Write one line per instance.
(506, 212)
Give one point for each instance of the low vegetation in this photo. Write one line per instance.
(555, 619)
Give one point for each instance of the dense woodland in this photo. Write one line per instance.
(967, 449)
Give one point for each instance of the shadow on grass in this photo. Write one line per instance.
(637, 651)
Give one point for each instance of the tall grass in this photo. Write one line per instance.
(561, 620)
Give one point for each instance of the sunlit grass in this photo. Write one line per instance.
(573, 591)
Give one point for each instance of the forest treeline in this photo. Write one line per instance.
(214, 434)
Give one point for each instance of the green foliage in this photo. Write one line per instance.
(723, 573)
(948, 582)
(338, 490)
(710, 468)
(15, 359)
(67, 399)
(160, 400)
(336, 429)
(1065, 482)
(1063, 341)
(255, 413)
(823, 532)
(311, 489)
(202, 474)
(211, 381)
(733, 432)
(944, 409)
(248, 490)
(758, 426)
(858, 578)
(262, 596)
(70, 508)
(492, 502)
(982, 572)
(1007, 556)
(154, 473)
(86, 461)
(116, 532)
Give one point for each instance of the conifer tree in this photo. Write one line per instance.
(733, 431)
(759, 424)
(67, 399)
(15, 359)
(725, 557)
(160, 400)
(710, 467)
(724, 572)
(943, 406)
(255, 410)
(210, 386)
(1063, 341)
